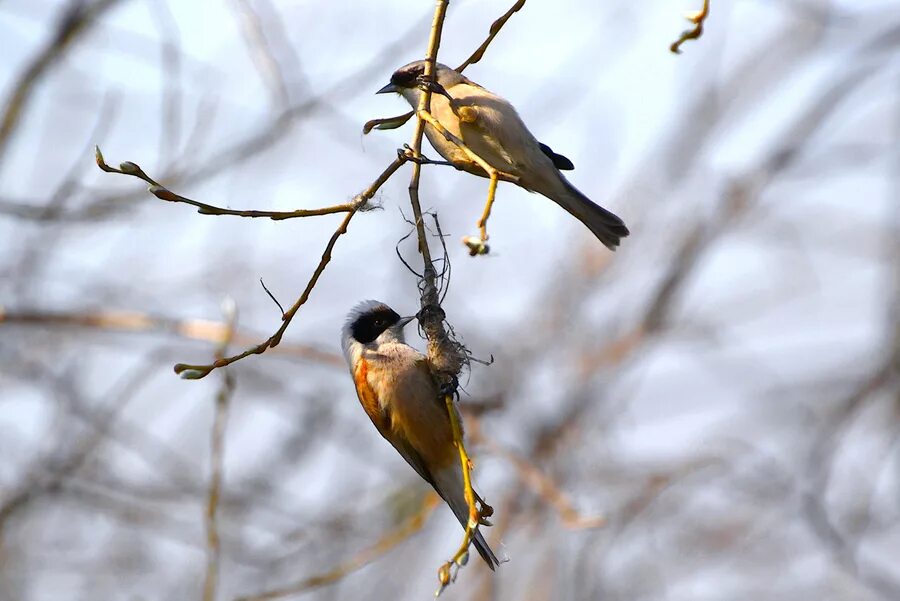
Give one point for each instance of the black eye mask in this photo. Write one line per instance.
(407, 78)
(370, 326)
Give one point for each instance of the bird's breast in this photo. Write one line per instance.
(368, 397)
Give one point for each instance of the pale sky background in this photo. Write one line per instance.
(594, 80)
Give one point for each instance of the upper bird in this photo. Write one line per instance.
(396, 388)
(491, 128)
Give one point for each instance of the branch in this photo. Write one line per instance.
(496, 26)
(259, 49)
(76, 20)
(163, 193)
(202, 330)
(195, 372)
(217, 458)
(391, 539)
(697, 18)
(445, 355)
(544, 486)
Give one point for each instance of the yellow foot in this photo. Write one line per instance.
(476, 246)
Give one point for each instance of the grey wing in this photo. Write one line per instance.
(506, 132)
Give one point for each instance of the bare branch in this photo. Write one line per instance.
(133, 321)
(163, 193)
(217, 459)
(195, 372)
(260, 50)
(496, 26)
(76, 20)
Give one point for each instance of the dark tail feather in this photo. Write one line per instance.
(449, 484)
(478, 540)
(484, 550)
(461, 510)
(607, 226)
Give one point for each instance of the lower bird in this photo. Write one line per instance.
(491, 128)
(396, 388)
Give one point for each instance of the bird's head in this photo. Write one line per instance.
(373, 322)
(405, 80)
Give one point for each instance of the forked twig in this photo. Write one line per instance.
(195, 372)
(446, 574)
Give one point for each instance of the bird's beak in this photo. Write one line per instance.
(388, 89)
(405, 320)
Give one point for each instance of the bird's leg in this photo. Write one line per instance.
(492, 192)
(448, 571)
(466, 114)
(485, 512)
(451, 387)
(406, 153)
(426, 84)
(477, 246)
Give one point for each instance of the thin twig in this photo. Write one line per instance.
(132, 321)
(459, 559)
(76, 20)
(496, 26)
(697, 18)
(259, 47)
(271, 296)
(195, 372)
(477, 246)
(163, 193)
